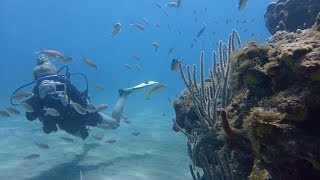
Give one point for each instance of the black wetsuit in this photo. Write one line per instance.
(69, 119)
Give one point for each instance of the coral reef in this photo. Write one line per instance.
(291, 15)
(256, 116)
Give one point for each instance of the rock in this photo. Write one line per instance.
(317, 23)
(291, 15)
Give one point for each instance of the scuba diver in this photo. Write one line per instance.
(57, 101)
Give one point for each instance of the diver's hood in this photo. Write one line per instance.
(44, 69)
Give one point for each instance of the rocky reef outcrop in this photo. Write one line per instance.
(270, 129)
(290, 15)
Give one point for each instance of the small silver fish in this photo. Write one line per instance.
(66, 139)
(102, 107)
(99, 87)
(116, 29)
(175, 4)
(166, 13)
(158, 4)
(111, 141)
(13, 110)
(136, 133)
(22, 96)
(90, 63)
(4, 113)
(41, 145)
(91, 108)
(55, 55)
(242, 4)
(32, 156)
(63, 99)
(51, 112)
(175, 64)
(157, 25)
(137, 25)
(127, 66)
(81, 110)
(145, 20)
(156, 46)
(138, 67)
(27, 107)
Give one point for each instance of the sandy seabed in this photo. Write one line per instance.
(157, 153)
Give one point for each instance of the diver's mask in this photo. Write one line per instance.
(53, 88)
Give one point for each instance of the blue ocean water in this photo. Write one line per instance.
(83, 28)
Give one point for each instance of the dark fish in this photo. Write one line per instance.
(13, 110)
(99, 138)
(138, 67)
(116, 29)
(164, 114)
(99, 87)
(136, 133)
(201, 31)
(136, 57)
(41, 145)
(4, 113)
(66, 139)
(242, 4)
(156, 46)
(127, 66)
(175, 64)
(32, 156)
(111, 141)
(170, 50)
(169, 100)
(145, 20)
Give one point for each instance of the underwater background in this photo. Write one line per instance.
(83, 28)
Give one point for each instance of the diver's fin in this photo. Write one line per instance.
(141, 85)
